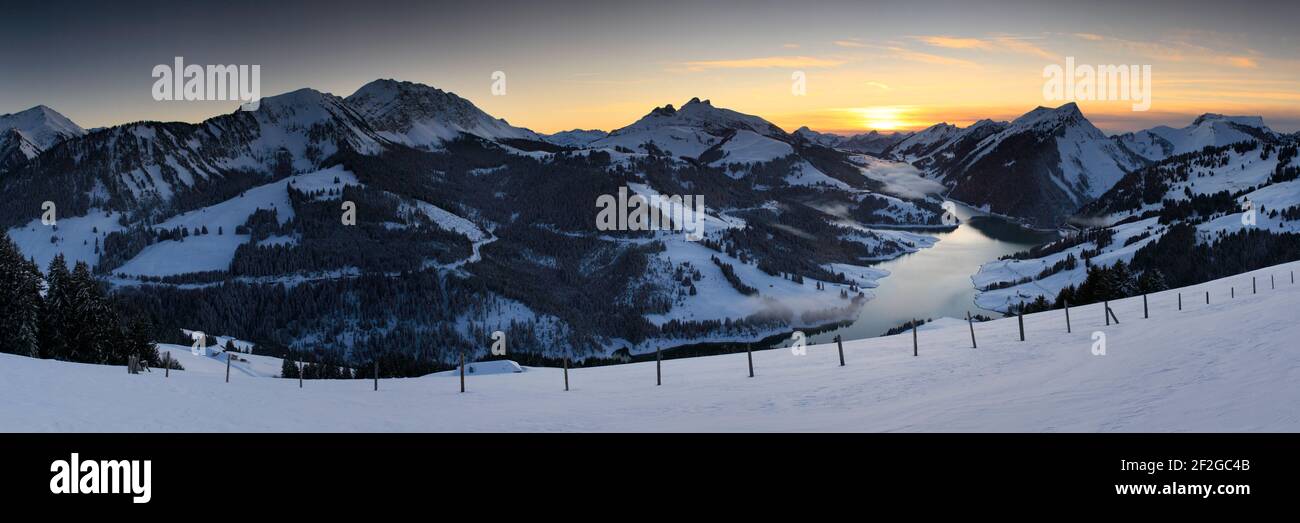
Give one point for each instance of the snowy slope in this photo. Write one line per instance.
(1244, 172)
(1205, 368)
(214, 251)
(76, 238)
(213, 365)
(750, 147)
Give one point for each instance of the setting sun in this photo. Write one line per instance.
(884, 118)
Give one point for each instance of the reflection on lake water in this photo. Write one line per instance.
(935, 282)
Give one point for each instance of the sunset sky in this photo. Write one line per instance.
(881, 65)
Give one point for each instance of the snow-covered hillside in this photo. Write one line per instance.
(1139, 210)
(214, 250)
(1227, 366)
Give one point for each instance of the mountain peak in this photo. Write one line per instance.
(423, 116)
(41, 125)
(1249, 121)
(701, 114)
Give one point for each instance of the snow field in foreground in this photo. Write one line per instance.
(1233, 365)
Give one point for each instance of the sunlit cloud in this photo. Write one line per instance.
(766, 62)
(878, 85)
(950, 42)
(1001, 43)
(917, 56)
(852, 43)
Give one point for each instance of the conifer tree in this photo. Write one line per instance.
(20, 301)
(54, 311)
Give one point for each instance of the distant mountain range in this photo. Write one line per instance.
(1046, 165)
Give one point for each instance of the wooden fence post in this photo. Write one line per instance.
(1272, 282)
(1067, 316)
(839, 343)
(971, 323)
(227, 367)
(1020, 318)
(462, 371)
(1180, 301)
(914, 345)
(749, 353)
(1253, 288)
(300, 369)
(1145, 313)
(1207, 297)
(1232, 292)
(1105, 311)
(659, 376)
(376, 374)
(167, 365)
(566, 372)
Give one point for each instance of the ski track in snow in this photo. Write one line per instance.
(1229, 366)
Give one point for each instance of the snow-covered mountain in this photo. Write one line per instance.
(873, 142)
(822, 139)
(425, 117)
(1208, 130)
(1041, 167)
(143, 166)
(699, 127)
(924, 142)
(25, 134)
(576, 137)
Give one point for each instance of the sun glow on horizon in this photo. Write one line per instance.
(885, 117)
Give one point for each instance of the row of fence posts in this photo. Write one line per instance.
(134, 365)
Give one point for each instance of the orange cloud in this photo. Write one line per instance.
(1007, 43)
(955, 43)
